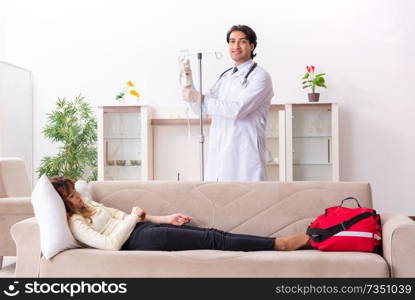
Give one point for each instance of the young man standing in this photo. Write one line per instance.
(237, 104)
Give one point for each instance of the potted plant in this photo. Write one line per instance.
(311, 81)
(73, 125)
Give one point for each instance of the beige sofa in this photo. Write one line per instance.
(263, 208)
(15, 202)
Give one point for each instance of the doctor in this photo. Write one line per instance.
(237, 104)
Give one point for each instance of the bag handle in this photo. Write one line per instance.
(351, 198)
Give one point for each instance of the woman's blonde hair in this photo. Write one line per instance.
(65, 186)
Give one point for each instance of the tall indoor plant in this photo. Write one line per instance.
(72, 125)
(311, 81)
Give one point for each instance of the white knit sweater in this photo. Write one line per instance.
(109, 229)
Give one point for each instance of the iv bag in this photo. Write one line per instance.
(184, 55)
(184, 63)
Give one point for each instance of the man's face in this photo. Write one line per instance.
(239, 47)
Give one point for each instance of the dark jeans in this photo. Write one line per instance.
(151, 236)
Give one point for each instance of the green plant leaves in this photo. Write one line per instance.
(120, 96)
(72, 125)
(319, 81)
(314, 81)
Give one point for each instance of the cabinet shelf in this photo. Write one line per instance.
(113, 166)
(311, 136)
(122, 138)
(313, 164)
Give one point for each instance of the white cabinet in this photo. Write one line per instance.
(124, 143)
(301, 144)
(16, 110)
(177, 148)
(312, 141)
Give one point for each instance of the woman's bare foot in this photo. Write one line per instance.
(292, 242)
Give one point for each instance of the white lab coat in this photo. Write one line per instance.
(237, 134)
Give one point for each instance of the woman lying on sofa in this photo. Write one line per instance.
(98, 226)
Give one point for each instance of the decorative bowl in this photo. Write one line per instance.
(135, 162)
(120, 162)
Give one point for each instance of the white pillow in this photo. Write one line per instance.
(55, 235)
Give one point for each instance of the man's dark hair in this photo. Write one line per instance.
(250, 35)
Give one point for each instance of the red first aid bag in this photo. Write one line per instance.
(346, 229)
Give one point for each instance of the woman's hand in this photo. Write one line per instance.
(177, 219)
(141, 214)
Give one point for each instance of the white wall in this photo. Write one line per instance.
(365, 47)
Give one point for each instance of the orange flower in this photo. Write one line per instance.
(129, 83)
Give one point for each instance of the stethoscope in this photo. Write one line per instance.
(245, 80)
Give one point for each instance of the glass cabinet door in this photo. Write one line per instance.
(274, 143)
(122, 141)
(313, 134)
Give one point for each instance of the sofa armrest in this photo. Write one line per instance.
(12, 210)
(27, 238)
(16, 206)
(398, 234)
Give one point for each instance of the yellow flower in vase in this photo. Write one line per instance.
(121, 95)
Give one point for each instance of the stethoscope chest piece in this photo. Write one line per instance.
(244, 82)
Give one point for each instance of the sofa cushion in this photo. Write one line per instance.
(213, 263)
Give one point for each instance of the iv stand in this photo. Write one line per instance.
(218, 55)
(201, 137)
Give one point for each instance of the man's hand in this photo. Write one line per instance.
(189, 94)
(177, 219)
(139, 212)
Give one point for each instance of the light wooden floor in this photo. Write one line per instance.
(9, 264)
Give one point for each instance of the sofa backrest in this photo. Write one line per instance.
(262, 208)
(13, 178)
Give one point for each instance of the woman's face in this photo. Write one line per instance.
(75, 198)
